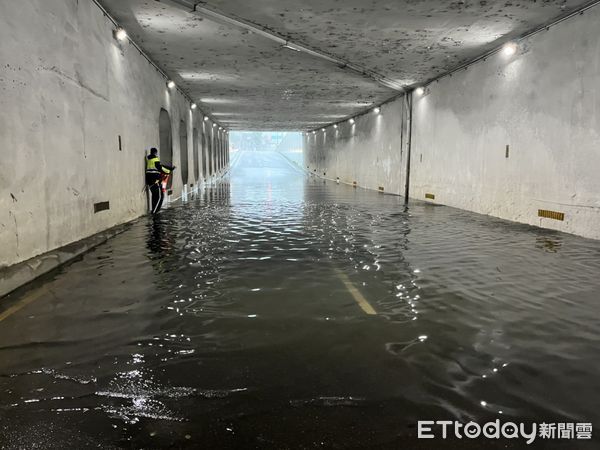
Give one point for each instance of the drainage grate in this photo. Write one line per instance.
(551, 214)
(430, 196)
(380, 188)
(101, 206)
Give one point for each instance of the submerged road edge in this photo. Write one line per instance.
(14, 277)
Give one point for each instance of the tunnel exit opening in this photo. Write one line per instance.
(287, 143)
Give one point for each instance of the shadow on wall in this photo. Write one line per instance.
(204, 160)
(183, 152)
(166, 141)
(210, 152)
(195, 155)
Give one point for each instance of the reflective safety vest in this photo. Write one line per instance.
(151, 166)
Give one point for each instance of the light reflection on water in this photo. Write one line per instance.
(228, 320)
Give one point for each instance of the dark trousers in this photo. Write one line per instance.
(157, 197)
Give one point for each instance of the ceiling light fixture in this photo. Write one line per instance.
(509, 49)
(121, 34)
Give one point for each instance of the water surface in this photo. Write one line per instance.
(233, 320)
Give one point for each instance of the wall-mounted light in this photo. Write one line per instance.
(206, 118)
(121, 34)
(214, 125)
(170, 84)
(420, 91)
(351, 121)
(193, 106)
(220, 128)
(377, 110)
(509, 49)
(314, 132)
(291, 47)
(323, 130)
(335, 127)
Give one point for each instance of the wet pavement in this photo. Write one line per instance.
(277, 310)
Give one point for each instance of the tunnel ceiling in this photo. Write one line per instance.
(248, 81)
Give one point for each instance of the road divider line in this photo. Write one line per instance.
(360, 299)
(33, 296)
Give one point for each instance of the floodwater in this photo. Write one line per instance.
(276, 310)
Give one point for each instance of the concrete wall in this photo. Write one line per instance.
(68, 90)
(543, 102)
(372, 151)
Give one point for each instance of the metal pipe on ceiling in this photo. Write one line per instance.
(217, 16)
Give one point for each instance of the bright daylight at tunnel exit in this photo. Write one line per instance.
(278, 224)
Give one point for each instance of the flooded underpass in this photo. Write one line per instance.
(279, 310)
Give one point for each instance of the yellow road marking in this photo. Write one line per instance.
(356, 294)
(360, 299)
(23, 303)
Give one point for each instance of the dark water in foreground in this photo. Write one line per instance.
(238, 320)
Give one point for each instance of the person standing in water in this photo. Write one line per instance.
(154, 174)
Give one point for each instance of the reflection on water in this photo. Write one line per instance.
(237, 319)
(549, 243)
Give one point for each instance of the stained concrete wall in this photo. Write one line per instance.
(68, 90)
(543, 102)
(371, 152)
